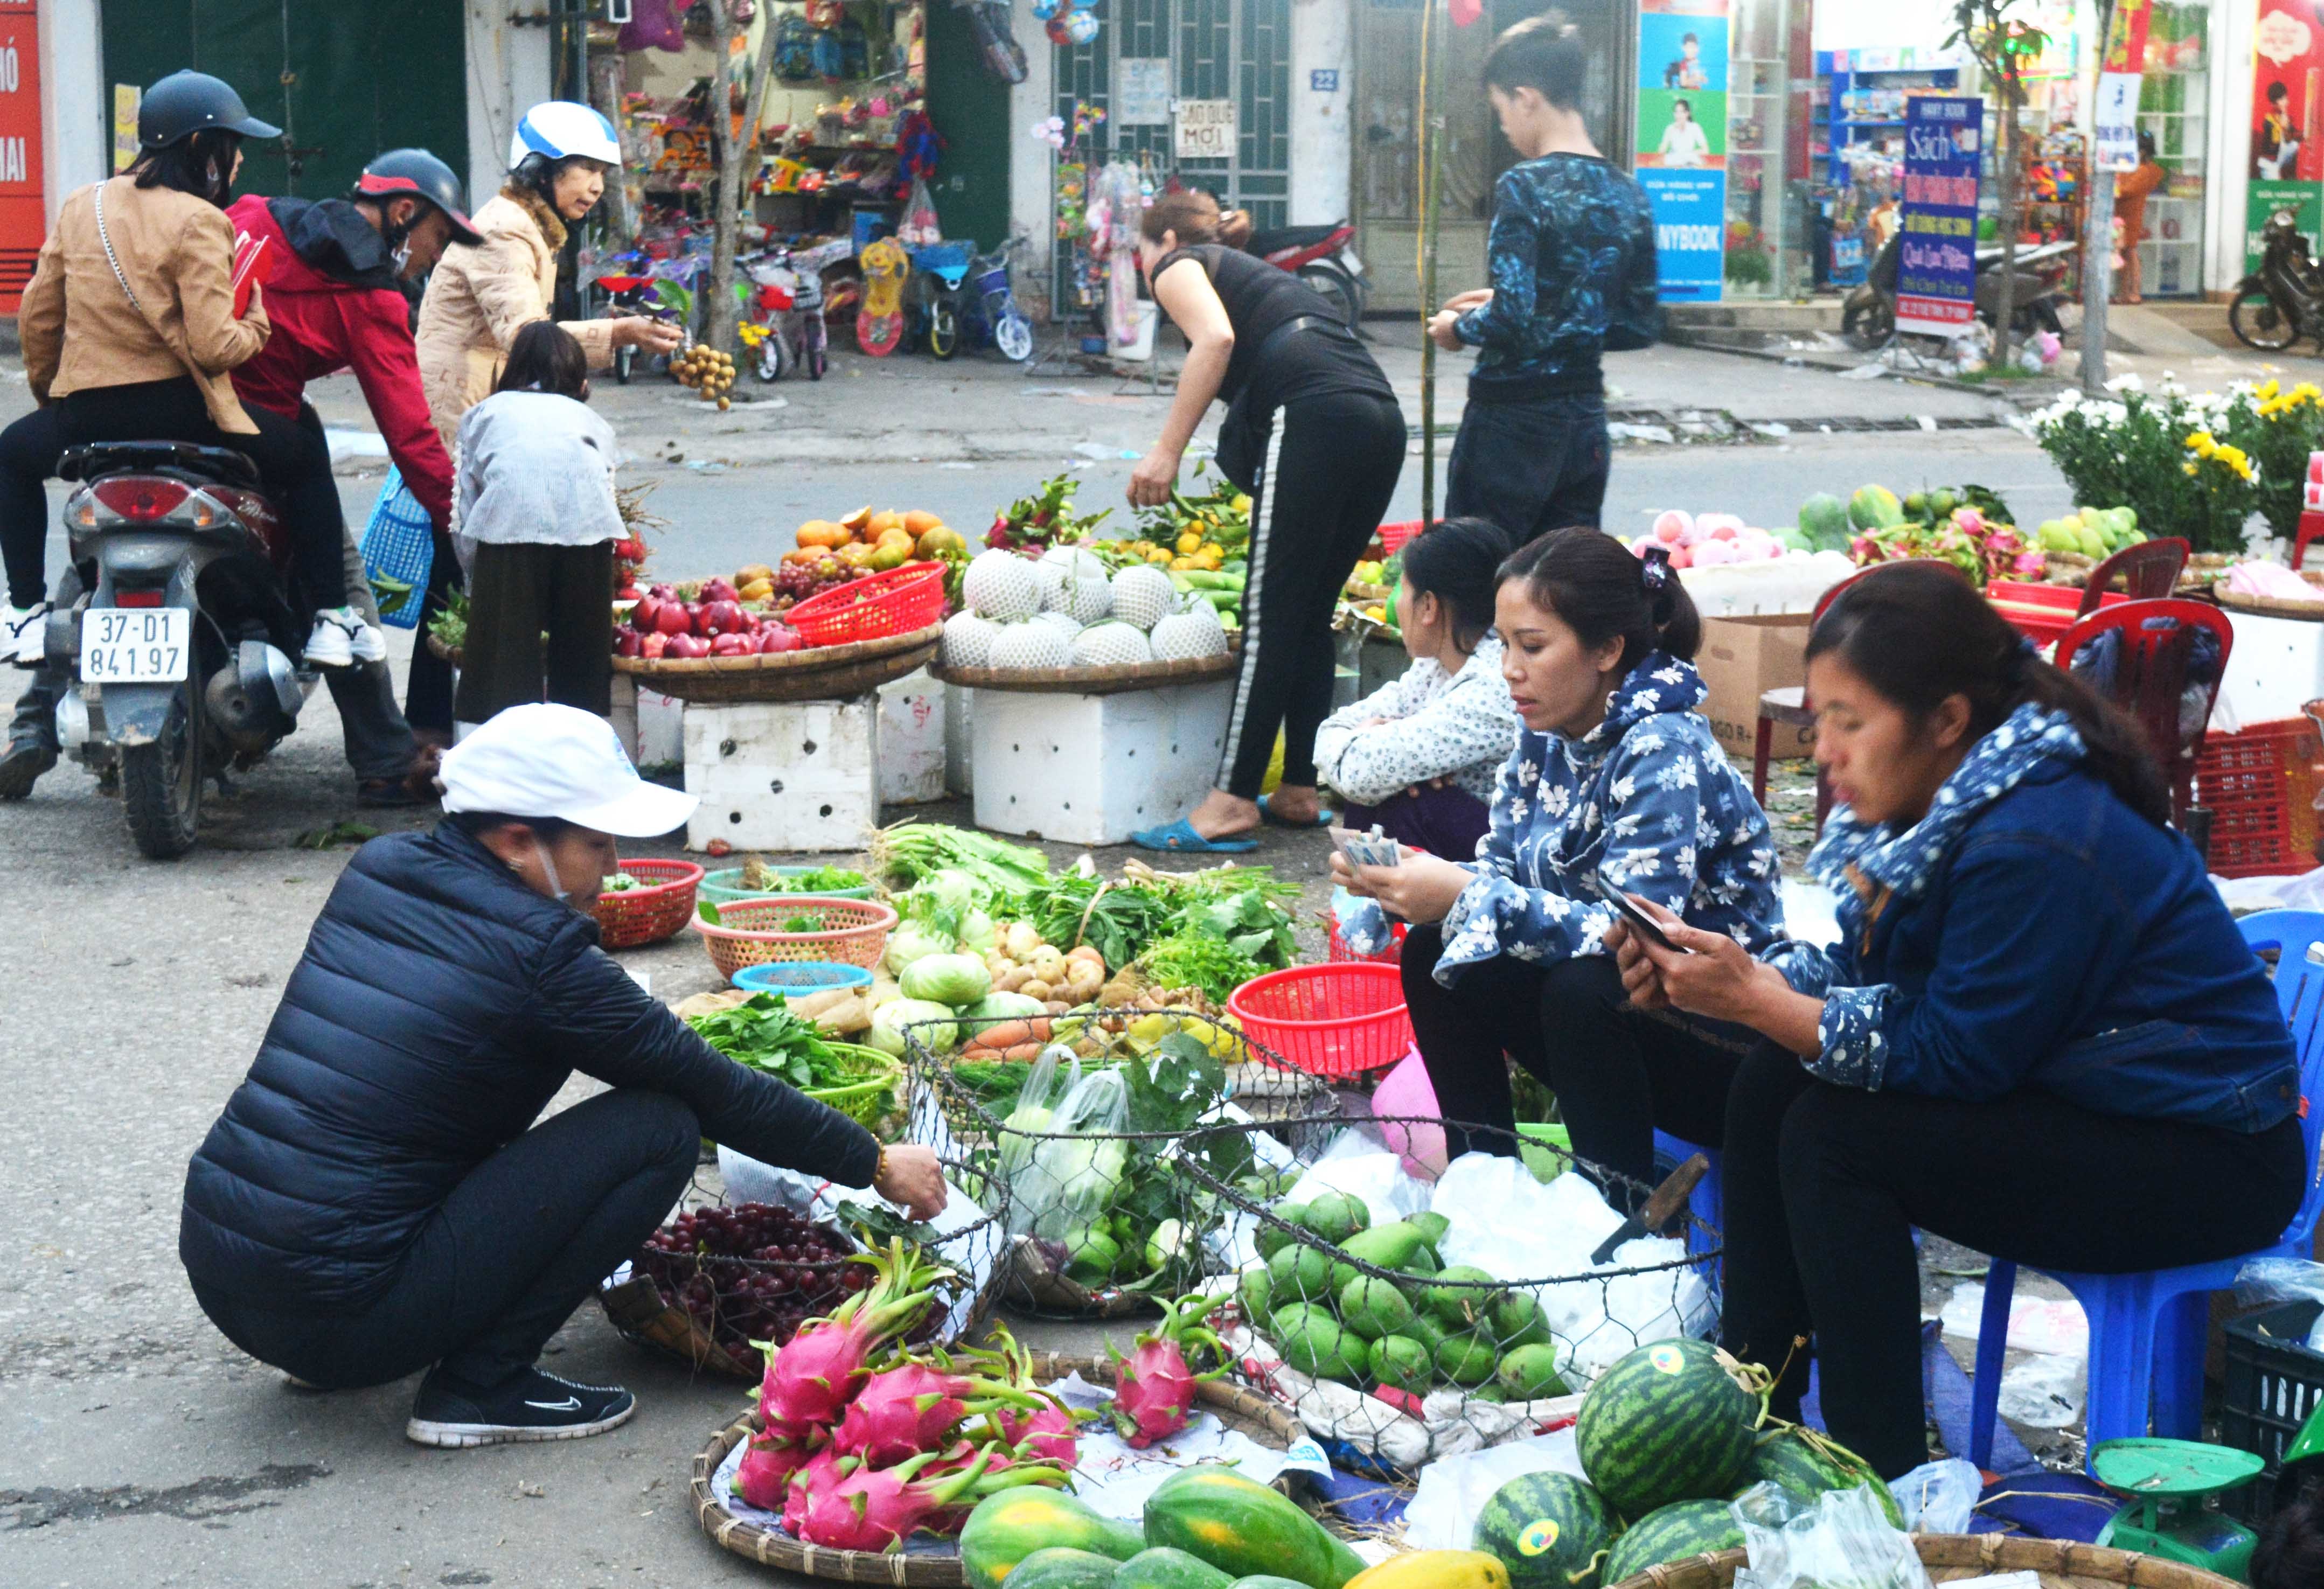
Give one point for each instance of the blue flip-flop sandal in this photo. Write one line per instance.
(1180, 836)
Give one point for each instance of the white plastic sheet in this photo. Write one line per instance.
(1359, 1164)
(1453, 1492)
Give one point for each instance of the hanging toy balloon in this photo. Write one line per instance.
(1082, 27)
(1043, 10)
(1057, 31)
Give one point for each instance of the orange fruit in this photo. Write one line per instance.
(821, 532)
(855, 521)
(919, 521)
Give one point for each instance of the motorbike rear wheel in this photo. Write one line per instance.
(1868, 323)
(1336, 289)
(161, 782)
(770, 361)
(2258, 320)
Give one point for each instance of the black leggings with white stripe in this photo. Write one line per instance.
(1331, 467)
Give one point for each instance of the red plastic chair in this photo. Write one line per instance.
(2149, 572)
(2152, 677)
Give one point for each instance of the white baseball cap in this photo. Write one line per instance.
(543, 760)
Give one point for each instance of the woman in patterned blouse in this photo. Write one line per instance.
(2040, 1035)
(1614, 777)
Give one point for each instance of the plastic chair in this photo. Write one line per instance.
(2148, 1331)
(2151, 675)
(1708, 1202)
(2149, 572)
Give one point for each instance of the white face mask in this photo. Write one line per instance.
(402, 258)
(548, 867)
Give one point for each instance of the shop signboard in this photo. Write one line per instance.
(23, 212)
(2115, 114)
(1936, 267)
(2287, 105)
(1680, 154)
(1206, 129)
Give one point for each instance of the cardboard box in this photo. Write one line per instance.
(1741, 659)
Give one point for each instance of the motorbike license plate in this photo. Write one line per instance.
(134, 646)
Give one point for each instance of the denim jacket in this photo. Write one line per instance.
(1648, 797)
(2033, 931)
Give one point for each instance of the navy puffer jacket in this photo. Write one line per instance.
(439, 1005)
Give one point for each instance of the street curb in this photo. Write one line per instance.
(1946, 384)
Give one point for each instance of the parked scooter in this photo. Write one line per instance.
(1324, 257)
(181, 655)
(2283, 300)
(632, 294)
(1868, 318)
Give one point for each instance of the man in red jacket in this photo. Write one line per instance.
(330, 271)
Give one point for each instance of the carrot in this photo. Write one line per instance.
(1005, 1035)
(1026, 1052)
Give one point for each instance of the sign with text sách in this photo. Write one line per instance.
(1936, 267)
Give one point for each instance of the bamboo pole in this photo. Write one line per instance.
(1432, 125)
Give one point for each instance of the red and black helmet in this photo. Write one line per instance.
(416, 173)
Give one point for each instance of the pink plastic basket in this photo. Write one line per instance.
(1331, 1019)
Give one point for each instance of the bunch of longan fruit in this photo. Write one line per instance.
(708, 371)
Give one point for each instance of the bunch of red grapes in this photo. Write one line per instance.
(796, 581)
(744, 1272)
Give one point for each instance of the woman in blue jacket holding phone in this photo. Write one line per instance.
(2040, 1035)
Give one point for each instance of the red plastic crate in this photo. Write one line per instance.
(900, 601)
(2260, 787)
(2042, 613)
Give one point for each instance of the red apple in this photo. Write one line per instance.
(661, 590)
(628, 592)
(688, 647)
(732, 644)
(654, 647)
(718, 589)
(723, 617)
(672, 618)
(777, 637)
(643, 615)
(628, 642)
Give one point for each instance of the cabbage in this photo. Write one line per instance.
(953, 979)
(1004, 1006)
(976, 932)
(913, 941)
(888, 1020)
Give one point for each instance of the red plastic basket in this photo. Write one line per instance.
(2042, 613)
(1332, 1020)
(636, 916)
(1340, 954)
(900, 601)
(1393, 537)
(2260, 787)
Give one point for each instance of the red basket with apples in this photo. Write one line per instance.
(900, 601)
(664, 626)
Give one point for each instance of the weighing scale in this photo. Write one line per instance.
(2166, 1481)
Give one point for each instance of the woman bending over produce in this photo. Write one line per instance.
(1420, 757)
(376, 1197)
(1615, 775)
(2039, 1035)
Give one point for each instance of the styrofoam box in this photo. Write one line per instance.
(1092, 769)
(1793, 583)
(790, 776)
(2275, 666)
(646, 723)
(960, 756)
(911, 739)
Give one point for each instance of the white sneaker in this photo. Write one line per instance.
(23, 634)
(342, 638)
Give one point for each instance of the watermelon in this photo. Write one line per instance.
(1008, 1526)
(1670, 1533)
(1060, 1567)
(1823, 523)
(1243, 1528)
(1875, 507)
(1668, 1422)
(1165, 1568)
(1808, 1463)
(1550, 1529)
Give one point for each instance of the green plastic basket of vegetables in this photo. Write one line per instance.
(762, 1034)
(763, 882)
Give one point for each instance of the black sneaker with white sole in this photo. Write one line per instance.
(533, 1406)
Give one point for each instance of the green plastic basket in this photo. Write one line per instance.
(724, 887)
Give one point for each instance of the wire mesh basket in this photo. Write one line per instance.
(722, 1276)
(1395, 1340)
(1089, 1138)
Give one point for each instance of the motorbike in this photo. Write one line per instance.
(1868, 318)
(632, 294)
(1325, 259)
(2283, 300)
(182, 651)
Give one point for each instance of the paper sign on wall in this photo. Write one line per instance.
(126, 98)
(1206, 129)
(1142, 91)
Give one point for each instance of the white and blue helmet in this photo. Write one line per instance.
(560, 129)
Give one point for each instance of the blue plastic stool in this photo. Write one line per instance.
(2148, 1330)
(1708, 1203)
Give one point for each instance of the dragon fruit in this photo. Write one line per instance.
(878, 1509)
(810, 1380)
(915, 1408)
(811, 1484)
(764, 1478)
(1049, 1435)
(1154, 1388)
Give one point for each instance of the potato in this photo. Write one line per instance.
(1034, 987)
(1022, 939)
(1082, 951)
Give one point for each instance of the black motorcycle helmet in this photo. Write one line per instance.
(415, 173)
(185, 103)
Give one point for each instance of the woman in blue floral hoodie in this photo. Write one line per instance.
(1616, 776)
(2040, 1035)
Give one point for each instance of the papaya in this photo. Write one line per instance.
(1007, 1527)
(1243, 1528)
(1162, 1567)
(1057, 1566)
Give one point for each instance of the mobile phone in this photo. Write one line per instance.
(1638, 920)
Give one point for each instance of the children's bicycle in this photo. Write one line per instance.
(990, 315)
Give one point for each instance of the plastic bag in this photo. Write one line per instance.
(1407, 1090)
(1068, 1168)
(1938, 1497)
(919, 223)
(1443, 1511)
(1842, 1539)
(2284, 1279)
(1359, 1164)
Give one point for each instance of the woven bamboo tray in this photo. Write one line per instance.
(1240, 1409)
(825, 673)
(1092, 681)
(2063, 1563)
(2269, 606)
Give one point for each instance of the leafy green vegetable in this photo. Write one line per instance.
(805, 922)
(820, 881)
(1195, 960)
(763, 1033)
(1250, 923)
(909, 852)
(1118, 919)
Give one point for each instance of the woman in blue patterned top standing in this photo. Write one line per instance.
(1615, 775)
(2040, 1035)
